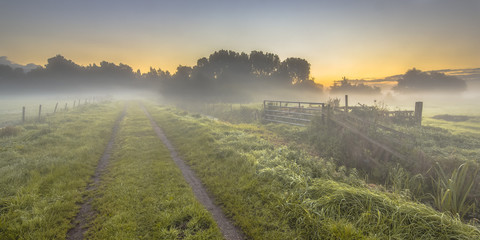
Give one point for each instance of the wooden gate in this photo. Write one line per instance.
(294, 113)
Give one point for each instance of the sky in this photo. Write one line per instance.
(361, 39)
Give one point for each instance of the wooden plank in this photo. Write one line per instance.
(291, 118)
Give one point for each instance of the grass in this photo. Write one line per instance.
(451, 193)
(11, 109)
(468, 127)
(411, 176)
(143, 195)
(278, 192)
(44, 170)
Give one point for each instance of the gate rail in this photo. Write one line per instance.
(293, 113)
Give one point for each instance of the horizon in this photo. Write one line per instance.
(359, 40)
(467, 74)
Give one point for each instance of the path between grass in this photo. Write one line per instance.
(86, 212)
(229, 231)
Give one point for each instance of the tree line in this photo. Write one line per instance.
(226, 76)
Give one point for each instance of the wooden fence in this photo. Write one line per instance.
(33, 112)
(294, 113)
(368, 128)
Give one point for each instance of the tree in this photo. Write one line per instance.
(346, 87)
(415, 80)
(60, 65)
(264, 64)
(297, 70)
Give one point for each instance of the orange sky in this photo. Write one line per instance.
(355, 39)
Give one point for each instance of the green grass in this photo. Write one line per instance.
(143, 195)
(11, 109)
(451, 193)
(469, 127)
(274, 191)
(45, 168)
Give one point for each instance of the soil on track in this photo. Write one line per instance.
(86, 212)
(229, 231)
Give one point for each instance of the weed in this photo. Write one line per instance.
(451, 193)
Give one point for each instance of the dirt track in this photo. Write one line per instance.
(86, 212)
(229, 231)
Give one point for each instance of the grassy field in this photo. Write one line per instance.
(279, 192)
(144, 195)
(44, 168)
(263, 176)
(469, 127)
(11, 108)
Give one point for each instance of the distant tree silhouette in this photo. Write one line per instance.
(60, 65)
(229, 76)
(10, 77)
(415, 80)
(264, 64)
(345, 87)
(224, 75)
(297, 69)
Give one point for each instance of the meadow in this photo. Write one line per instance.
(272, 180)
(267, 186)
(44, 168)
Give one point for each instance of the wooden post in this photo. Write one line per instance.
(418, 113)
(23, 114)
(55, 110)
(66, 106)
(328, 114)
(323, 113)
(346, 103)
(39, 111)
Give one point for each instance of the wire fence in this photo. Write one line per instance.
(13, 112)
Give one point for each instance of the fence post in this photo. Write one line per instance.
(418, 113)
(323, 113)
(39, 111)
(66, 106)
(23, 114)
(55, 110)
(346, 103)
(328, 114)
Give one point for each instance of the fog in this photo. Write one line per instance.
(231, 77)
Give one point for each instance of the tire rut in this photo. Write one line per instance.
(86, 212)
(228, 229)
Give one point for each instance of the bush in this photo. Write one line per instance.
(9, 131)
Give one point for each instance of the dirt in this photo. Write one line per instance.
(228, 229)
(86, 212)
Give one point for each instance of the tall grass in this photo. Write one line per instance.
(451, 192)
